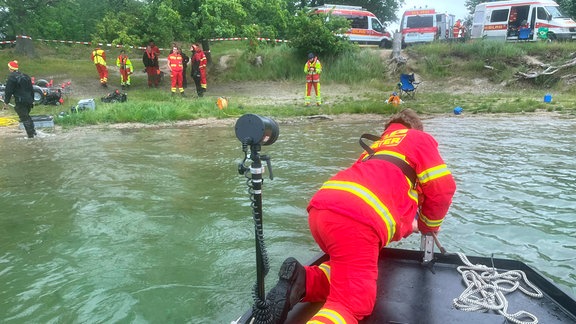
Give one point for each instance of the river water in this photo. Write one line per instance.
(155, 226)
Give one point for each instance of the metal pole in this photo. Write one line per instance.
(256, 171)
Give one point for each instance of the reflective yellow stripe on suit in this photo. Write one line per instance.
(430, 222)
(329, 314)
(433, 173)
(369, 198)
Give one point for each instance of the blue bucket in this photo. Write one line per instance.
(548, 98)
(458, 110)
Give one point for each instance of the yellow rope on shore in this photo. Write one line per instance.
(8, 121)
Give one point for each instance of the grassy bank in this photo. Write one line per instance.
(450, 75)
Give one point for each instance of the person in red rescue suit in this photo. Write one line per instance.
(359, 211)
(99, 58)
(458, 29)
(198, 71)
(126, 69)
(150, 61)
(313, 69)
(176, 67)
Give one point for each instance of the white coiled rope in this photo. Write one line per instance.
(486, 289)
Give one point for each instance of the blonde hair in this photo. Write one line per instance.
(406, 117)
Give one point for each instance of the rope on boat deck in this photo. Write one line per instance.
(486, 290)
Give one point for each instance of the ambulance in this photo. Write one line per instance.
(365, 29)
(522, 20)
(425, 26)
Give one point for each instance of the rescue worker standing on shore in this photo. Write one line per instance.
(99, 58)
(19, 85)
(458, 29)
(198, 71)
(398, 185)
(185, 61)
(313, 69)
(126, 69)
(150, 61)
(176, 67)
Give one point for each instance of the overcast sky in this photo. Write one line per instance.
(454, 7)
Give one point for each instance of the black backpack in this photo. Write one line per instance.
(24, 81)
(24, 90)
(115, 96)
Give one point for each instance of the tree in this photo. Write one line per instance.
(16, 14)
(568, 7)
(119, 28)
(314, 33)
(471, 5)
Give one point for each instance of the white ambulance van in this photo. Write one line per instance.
(425, 26)
(522, 20)
(419, 26)
(365, 29)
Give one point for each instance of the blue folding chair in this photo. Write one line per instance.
(524, 34)
(407, 85)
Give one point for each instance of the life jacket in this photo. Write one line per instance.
(198, 62)
(313, 69)
(150, 58)
(394, 100)
(124, 63)
(99, 56)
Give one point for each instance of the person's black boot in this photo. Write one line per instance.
(29, 127)
(289, 290)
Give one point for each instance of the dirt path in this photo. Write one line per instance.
(284, 93)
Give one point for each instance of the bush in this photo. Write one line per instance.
(318, 33)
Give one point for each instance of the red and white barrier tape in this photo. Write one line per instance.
(246, 38)
(139, 47)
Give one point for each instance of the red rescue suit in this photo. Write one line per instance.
(199, 69)
(457, 29)
(313, 69)
(98, 56)
(199, 63)
(362, 209)
(176, 68)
